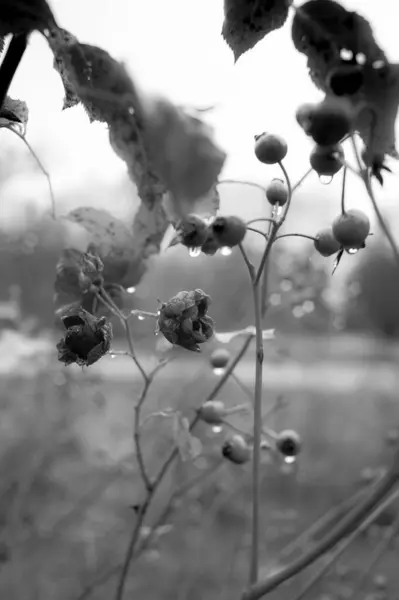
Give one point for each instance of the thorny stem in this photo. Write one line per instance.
(11, 62)
(343, 190)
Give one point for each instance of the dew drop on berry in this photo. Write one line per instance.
(326, 179)
(131, 290)
(194, 252)
(352, 250)
(226, 251)
(346, 54)
(141, 317)
(361, 58)
(289, 460)
(217, 429)
(218, 371)
(130, 110)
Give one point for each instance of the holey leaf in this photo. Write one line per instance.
(182, 152)
(24, 16)
(247, 22)
(58, 39)
(344, 60)
(112, 241)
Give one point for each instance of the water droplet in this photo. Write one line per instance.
(131, 290)
(346, 54)
(217, 429)
(289, 460)
(326, 179)
(361, 58)
(226, 251)
(194, 252)
(141, 317)
(218, 371)
(130, 110)
(113, 355)
(352, 250)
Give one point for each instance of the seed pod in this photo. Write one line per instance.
(269, 148)
(236, 450)
(288, 443)
(212, 412)
(220, 358)
(277, 192)
(326, 160)
(325, 242)
(351, 228)
(229, 231)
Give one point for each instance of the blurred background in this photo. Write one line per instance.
(68, 472)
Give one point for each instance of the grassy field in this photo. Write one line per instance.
(69, 476)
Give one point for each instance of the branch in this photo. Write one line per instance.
(345, 527)
(10, 64)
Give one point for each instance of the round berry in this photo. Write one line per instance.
(229, 231)
(277, 192)
(327, 122)
(211, 244)
(326, 160)
(212, 412)
(351, 228)
(270, 148)
(236, 449)
(191, 231)
(288, 443)
(220, 358)
(325, 242)
(345, 80)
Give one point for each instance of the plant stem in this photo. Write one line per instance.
(238, 181)
(302, 235)
(10, 64)
(343, 190)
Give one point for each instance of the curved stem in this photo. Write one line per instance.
(343, 190)
(267, 219)
(257, 231)
(242, 182)
(288, 203)
(302, 235)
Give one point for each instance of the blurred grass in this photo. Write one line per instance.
(68, 475)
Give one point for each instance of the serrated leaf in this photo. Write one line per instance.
(321, 30)
(58, 40)
(247, 22)
(14, 113)
(111, 240)
(206, 206)
(24, 16)
(189, 446)
(182, 152)
(227, 336)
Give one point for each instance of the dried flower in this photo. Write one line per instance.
(184, 321)
(86, 340)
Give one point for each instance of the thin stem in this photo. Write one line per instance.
(243, 387)
(271, 238)
(11, 61)
(288, 203)
(238, 181)
(143, 313)
(301, 180)
(302, 235)
(257, 231)
(343, 190)
(267, 219)
(349, 522)
(250, 267)
(345, 544)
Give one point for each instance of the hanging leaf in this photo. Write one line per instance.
(227, 336)
(58, 39)
(182, 152)
(14, 113)
(189, 446)
(111, 240)
(247, 22)
(24, 16)
(333, 39)
(206, 206)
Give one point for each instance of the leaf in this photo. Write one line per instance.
(321, 30)
(182, 152)
(247, 22)
(111, 240)
(24, 16)
(206, 206)
(228, 336)
(189, 446)
(58, 40)
(14, 113)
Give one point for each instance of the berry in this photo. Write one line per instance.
(229, 231)
(351, 228)
(327, 122)
(191, 232)
(211, 244)
(288, 443)
(270, 148)
(326, 160)
(277, 192)
(236, 449)
(325, 242)
(219, 358)
(212, 412)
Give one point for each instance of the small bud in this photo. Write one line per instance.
(212, 412)
(220, 358)
(236, 450)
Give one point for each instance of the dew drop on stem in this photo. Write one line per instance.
(226, 251)
(194, 252)
(218, 371)
(326, 179)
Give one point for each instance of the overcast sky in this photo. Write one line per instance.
(175, 47)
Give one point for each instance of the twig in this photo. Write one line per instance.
(343, 528)
(10, 63)
(343, 190)
(257, 231)
(302, 235)
(241, 182)
(267, 219)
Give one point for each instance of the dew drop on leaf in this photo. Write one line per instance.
(217, 429)
(226, 251)
(325, 179)
(218, 371)
(194, 252)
